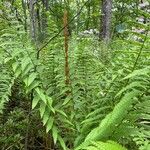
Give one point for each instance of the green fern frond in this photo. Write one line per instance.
(110, 123)
(6, 82)
(108, 145)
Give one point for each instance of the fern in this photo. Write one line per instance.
(23, 64)
(105, 96)
(141, 119)
(6, 82)
(105, 146)
(112, 120)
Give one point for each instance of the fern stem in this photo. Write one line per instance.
(140, 51)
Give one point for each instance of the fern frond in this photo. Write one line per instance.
(6, 82)
(108, 145)
(110, 123)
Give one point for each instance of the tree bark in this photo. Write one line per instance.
(24, 7)
(105, 28)
(32, 19)
(44, 18)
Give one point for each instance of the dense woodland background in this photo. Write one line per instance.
(74, 75)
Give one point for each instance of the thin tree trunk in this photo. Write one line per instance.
(32, 19)
(44, 22)
(105, 28)
(25, 14)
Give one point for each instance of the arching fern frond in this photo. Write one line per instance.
(108, 145)
(111, 122)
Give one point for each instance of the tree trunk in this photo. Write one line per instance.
(24, 7)
(44, 22)
(32, 19)
(105, 28)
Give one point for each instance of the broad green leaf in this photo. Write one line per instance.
(42, 109)
(41, 94)
(49, 124)
(61, 112)
(49, 103)
(35, 84)
(46, 116)
(35, 101)
(55, 133)
(31, 78)
(28, 81)
(62, 143)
